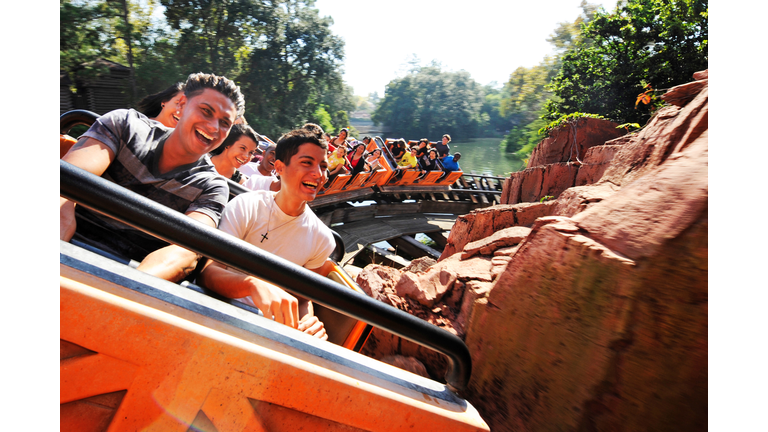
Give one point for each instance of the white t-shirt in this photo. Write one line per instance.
(303, 240)
(251, 169)
(259, 182)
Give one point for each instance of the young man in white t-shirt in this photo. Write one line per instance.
(262, 183)
(281, 223)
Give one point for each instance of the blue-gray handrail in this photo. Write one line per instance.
(142, 213)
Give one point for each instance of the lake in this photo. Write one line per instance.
(483, 156)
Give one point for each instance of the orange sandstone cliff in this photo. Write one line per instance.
(588, 311)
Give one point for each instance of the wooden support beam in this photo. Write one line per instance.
(376, 255)
(413, 247)
(439, 238)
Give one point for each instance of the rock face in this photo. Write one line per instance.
(572, 155)
(590, 311)
(570, 143)
(482, 223)
(444, 294)
(591, 340)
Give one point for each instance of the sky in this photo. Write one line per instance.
(489, 40)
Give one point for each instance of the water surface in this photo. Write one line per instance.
(483, 156)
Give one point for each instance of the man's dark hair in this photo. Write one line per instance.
(315, 129)
(151, 105)
(424, 140)
(235, 133)
(288, 144)
(197, 82)
(447, 136)
(456, 156)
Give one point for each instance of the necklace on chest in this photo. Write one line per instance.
(269, 221)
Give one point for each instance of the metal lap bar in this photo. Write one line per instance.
(114, 201)
(236, 189)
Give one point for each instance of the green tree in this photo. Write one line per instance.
(493, 123)
(429, 103)
(656, 42)
(340, 101)
(81, 36)
(295, 62)
(526, 93)
(566, 34)
(116, 30)
(323, 119)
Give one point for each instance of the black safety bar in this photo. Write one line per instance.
(142, 213)
(236, 189)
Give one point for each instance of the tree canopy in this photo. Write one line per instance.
(527, 92)
(281, 53)
(659, 43)
(602, 61)
(428, 102)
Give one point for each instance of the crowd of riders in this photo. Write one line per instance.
(177, 148)
(247, 157)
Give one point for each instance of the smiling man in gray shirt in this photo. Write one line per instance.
(169, 166)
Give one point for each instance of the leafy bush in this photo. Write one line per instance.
(660, 43)
(565, 119)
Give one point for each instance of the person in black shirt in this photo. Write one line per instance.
(423, 148)
(430, 162)
(442, 147)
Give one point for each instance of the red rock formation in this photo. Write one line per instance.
(597, 319)
(482, 223)
(596, 160)
(570, 143)
(444, 295)
(605, 312)
(556, 164)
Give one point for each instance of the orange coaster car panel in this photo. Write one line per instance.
(65, 143)
(138, 353)
(341, 329)
(430, 178)
(451, 178)
(408, 177)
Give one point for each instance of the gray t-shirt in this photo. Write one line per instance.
(137, 143)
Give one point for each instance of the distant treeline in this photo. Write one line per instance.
(602, 63)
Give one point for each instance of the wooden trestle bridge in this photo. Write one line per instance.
(395, 214)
